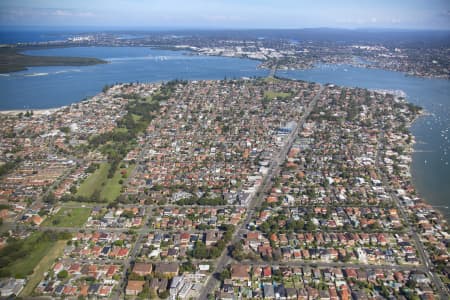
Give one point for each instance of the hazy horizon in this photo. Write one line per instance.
(187, 28)
(231, 14)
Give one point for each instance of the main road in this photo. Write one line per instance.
(131, 259)
(273, 71)
(256, 200)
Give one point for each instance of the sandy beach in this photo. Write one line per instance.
(35, 111)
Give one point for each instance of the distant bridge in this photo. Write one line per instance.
(272, 72)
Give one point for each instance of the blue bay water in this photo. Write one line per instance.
(46, 87)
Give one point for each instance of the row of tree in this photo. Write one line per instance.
(202, 201)
(17, 250)
(9, 166)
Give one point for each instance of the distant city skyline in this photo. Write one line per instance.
(399, 14)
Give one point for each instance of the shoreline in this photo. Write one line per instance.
(12, 60)
(423, 113)
(441, 209)
(318, 64)
(438, 208)
(39, 111)
(87, 61)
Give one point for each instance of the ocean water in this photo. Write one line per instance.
(13, 36)
(431, 159)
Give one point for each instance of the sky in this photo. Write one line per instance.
(399, 14)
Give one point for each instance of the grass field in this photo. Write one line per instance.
(35, 249)
(109, 187)
(21, 257)
(136, 118)
(120, 129)
(112, 188)
(69, 217)
(279, 95)
(94, 181)
(43, 266)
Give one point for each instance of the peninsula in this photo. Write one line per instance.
(12, 61)
(215, 188)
